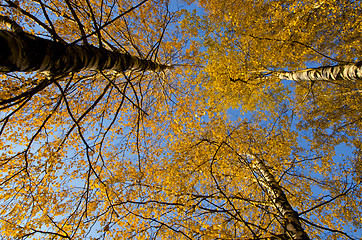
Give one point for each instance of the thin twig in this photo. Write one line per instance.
(110, 22)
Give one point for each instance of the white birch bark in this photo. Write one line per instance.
(347, 72)
(279, 200)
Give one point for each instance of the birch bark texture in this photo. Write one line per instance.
(23, 52)
(280, 201)
(347, 72)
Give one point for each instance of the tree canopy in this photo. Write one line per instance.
(180, 119)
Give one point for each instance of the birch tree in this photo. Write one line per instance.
(348, 72)
(103, 141)
(251, 44)
(79, 79)
(258, 60)
(301, 54)
(27, 53)
(249, 181)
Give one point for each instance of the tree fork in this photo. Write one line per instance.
(23, 52)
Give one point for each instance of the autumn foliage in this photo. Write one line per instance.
(207, 133)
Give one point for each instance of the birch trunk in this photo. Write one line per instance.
(23, 52)
(280, 201)
(350, 72)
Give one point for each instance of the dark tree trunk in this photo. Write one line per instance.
(23, 52)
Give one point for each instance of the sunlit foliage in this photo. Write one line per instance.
(134, 154)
